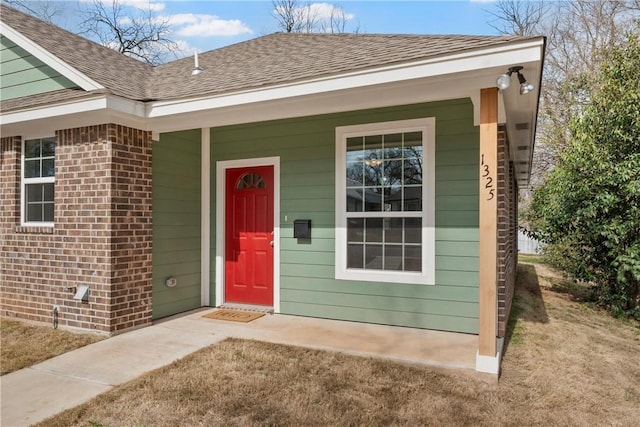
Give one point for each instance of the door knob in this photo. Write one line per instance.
(271, 243)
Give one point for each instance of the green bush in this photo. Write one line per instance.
(588, 209)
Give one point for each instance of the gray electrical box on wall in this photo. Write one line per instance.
(302, 228)
(82, 293)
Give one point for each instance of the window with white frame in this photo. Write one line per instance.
(38, 181)
(385, 201)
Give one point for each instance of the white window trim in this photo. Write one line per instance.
(427, 275)
(23, 184)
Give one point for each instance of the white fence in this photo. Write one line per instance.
(527, 245)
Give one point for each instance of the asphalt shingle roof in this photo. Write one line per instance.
(287, 57)
(118, 73)
(269, 60)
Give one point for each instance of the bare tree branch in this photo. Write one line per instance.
(337, 21)
(578, 33)
(294, 16)
(519, 17)
(284, 13)
(44, 10)
(134, 32)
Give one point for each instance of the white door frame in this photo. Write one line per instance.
(205, 216)
(221, 176)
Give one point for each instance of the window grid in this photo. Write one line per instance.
(386, 245)
(380, 168)
(419, 265)
(370, 164)
(38, 181)
(250, 181)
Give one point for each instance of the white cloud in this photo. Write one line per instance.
(155, 6)
(185, 24)
(320, 11)
(181, 49)
(200, 25)
(326, 11)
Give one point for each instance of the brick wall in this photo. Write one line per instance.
(507, 232)
(131, 227)
(101, 238)
(9, 197)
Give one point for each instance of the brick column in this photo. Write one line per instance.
(9, 210)
(101, 238)
(131, 227)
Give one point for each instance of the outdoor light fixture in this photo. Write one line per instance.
(197, 70)
(504, 80)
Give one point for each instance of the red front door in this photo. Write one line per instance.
(249, 235)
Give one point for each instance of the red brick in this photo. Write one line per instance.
(93, 188)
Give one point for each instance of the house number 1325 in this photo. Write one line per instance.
(488, 184)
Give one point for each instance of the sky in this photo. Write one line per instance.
(206, 25)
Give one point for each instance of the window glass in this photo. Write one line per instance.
(373, 230)
(380, 181)
(373, 257)
(32, 168)
(393, 257)
(412, 228)
(38, 180)
(32, 149)
(355, 256)
(250, 181)
(393, 230)
(384, 174)
(39, 202)
(48, 147)
(413, 258)
(390, 243)
(48, 167)
(355, 230)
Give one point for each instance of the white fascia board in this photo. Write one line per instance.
(100, 102)
(328, 103)
(502, 56)
(47, 127)
(48, 58)
(126, 106)
(48, 111)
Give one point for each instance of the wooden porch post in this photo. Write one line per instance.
(488, 221)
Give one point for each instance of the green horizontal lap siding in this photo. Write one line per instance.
(176, 222)
(306, 147)
(22, 74)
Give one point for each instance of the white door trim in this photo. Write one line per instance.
(221, 169)
(205, 217)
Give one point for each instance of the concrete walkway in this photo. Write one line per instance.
(33, 394)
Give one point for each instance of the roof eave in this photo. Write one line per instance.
(93, 109)
(497, 56)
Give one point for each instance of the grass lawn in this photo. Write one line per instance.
(25, 344)
(565, 364)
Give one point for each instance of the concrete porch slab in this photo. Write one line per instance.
(419, 346)
(33, 394)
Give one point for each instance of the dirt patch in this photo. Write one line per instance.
(571, 365)
(25, 344)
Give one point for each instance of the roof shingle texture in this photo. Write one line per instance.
(278, 58)
(120, 74)
(286, 57)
